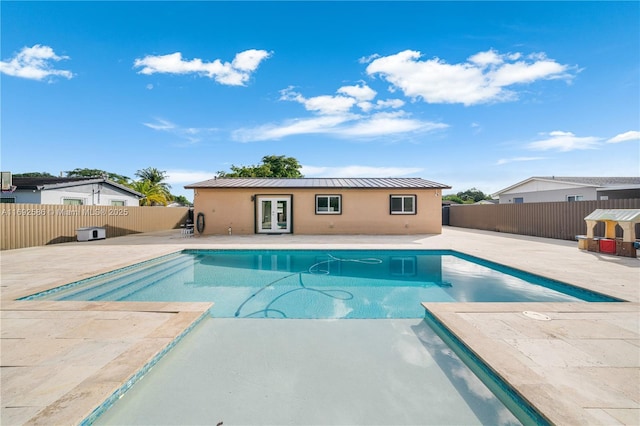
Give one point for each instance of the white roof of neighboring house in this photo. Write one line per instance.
(48, 183)
(362, 183)
(597, 182)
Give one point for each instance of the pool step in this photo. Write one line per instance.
(117, 286)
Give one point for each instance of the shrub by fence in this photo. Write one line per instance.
(559, 220)
(28, 225)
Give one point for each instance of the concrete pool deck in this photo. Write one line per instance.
(60, 360)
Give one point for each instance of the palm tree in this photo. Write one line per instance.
(154, 193)
(154, 176)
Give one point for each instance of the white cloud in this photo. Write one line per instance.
(632, 135)
(346, 126)
(368, 59)
(487, 58)
(482, 78)
(191, 134)
(360, 93)
(390, 103)
(334, 117)
(358, 171)
(388, 124)
(161, 125)
(34, 63)
(315, 125)
(329, 104)
(325, 104)
(235, 73)
(564, 141)
(517, 159)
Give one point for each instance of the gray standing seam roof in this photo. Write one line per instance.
(594, 180)
(364, 183)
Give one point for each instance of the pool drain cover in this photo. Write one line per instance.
(536, 316)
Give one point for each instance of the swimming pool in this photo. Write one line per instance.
(383, 288)
(320, 284)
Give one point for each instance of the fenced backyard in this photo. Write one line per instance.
(558, 220)
(29, 225)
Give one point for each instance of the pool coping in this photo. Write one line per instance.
(538, 255)
(524, 374)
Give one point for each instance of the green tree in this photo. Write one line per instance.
(469, 196)
(154, 176)
(154, 194)
(181, 199)
(152, 185)
(97, 173)
(453, 199)
(277, 166)
(33, 174)
(473, 195)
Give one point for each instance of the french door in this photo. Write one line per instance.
(274, 215)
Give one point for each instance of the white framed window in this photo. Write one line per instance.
(402, 204)
(575, 197)
(120, 203)
(328, 204)
(73, 201)
(518, 200)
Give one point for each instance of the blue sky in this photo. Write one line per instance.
(468, 94)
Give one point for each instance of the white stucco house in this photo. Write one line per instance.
(71, 191)
(539, 189)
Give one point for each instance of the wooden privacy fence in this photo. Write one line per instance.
(559, 220)
(29, 225)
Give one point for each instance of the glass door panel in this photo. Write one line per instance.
(265, 215)
(274, 215)
(283, 223)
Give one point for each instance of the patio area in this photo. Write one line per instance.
(60, 360)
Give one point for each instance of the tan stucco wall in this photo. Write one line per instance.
(364, 211)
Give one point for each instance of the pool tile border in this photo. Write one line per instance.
(119, 393)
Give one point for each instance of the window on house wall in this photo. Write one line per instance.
(118, 203)
(73, 201)
(403, 204)
(8, 200)
(518, 200)
(574, 197)
(328, 204)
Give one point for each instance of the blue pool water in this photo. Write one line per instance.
(320, 283)
(268, 368)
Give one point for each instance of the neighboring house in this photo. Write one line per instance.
(318, 206)
(556, 188)
(71, 191)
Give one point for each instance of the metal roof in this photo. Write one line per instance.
(616, 215)
(594, 181)
(364, 183)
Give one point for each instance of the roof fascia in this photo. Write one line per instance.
(584, 185)
(514, 186)
(90, 182)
